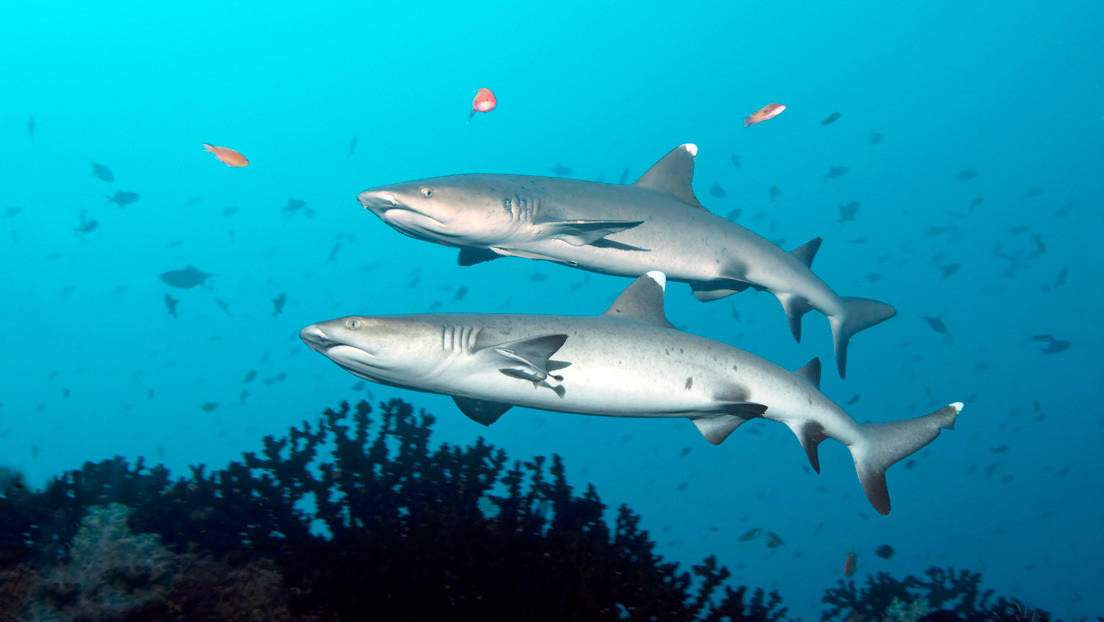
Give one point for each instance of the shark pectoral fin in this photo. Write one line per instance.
(470, 256)
(716, 428)
(795, 307)
(583, 232)
(673, 175)
(481, 411)
(806, 253)
(642, 301)
(527, 358)
(708, 291)
(810, 434)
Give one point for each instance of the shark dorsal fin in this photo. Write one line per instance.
(805, 253)
(642, 301)
(673, 175)
(811, 372)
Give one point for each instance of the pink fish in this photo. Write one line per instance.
(766, 112)
(484, 102)
(226, 155)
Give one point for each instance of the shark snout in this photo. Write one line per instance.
(378, 201)
(315, 337)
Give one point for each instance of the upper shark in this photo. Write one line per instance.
(628, 362)
(655, 223)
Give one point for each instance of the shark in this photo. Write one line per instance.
(655, 223)
(630, 361)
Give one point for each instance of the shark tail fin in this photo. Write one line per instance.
(883, 444)
(858, 314)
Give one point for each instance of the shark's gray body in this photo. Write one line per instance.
(628, 362)
(653, 224)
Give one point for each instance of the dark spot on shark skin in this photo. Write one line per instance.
(689, 382)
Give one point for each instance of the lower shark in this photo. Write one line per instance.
(628, 362)
(655, 223)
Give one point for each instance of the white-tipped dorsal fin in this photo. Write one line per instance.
(673, 175)
(642, 301)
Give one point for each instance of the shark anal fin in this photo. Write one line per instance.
(716, 428)
(673, 175)
(642, 301)
(583, 232)
(810, 434)
(481, 411)
(806, 253)
(795, 307)
(470, 256)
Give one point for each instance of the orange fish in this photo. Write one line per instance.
(850, 563)
(766, 112)
(484, 102)
(226, 155)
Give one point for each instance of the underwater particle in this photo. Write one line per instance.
(296, 205)
(186, 278)
(31, 126)
(876, 138)
(484, 101)
(86, 225)
(12, 211)
(717, 191)
(559, 170)
(10, 479)
(170, 304)
(1033, 193)
(460, 292)
(222, 304)
(830, 119)
(966, 175)
(278, 304)
(774, 193)
(229, 211)
(766, 112)
(847, 211)
(1054, 346)
(101, 171)
(352, 146)
(850, 564)
(774, 540)
(624, 177)
(935, 324)
(123, 198)
(854, 399)
(226, 155)
(735, 159)
(884, 551)
(948, 270)
(208, 406)
(538, 276)
(835, 172)
(751, 534)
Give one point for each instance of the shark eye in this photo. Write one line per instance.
(353, 324)
(427, 191)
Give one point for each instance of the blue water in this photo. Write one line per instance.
(93, 366)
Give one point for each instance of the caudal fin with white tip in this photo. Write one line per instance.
(883, 444)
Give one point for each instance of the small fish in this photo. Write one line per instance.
(30, 126)
(249, 377)
(1038, 238)
(123, 198)
(774, 540)
(352, 146)
(226, 155)
(560, 170)
(751, 534)
(538, 276)
(850, 564)
(848, 211)
(936, 324)
(12, 211)
(884, 551)
(229, 211)
(186, 278)
(735, 159)
(1054, 346)
(966, 175)
(854, 399)
(86, 225)
(766, 112)
(484, 102)
(209, 406)
(624, 177)
(832, 118)
(949, 270)
(717, 191)
(333, 252)
(734, 214)
(976, 201)
(101, 171)
(1033, 192)
(278, 304)
(686, 451)
(10, 480)
(774, 193)
(876, 138)
(460, 292)
(1062, 274)
(222, 304)
(170, 304)
(835, 172)
(296, 205)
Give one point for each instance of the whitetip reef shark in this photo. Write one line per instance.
(655, 223)
(628, 362)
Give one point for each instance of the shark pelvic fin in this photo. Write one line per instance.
(642, 301)
(716, 428)
(673, 175)
(811, 372)
(806, 253)
(481, 411)
(796, 307)
(527, 358)
(583, 232)
(470, 256)
(810, 434)
(708, 291)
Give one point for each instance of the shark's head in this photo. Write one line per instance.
(380, 349)
(459, 210)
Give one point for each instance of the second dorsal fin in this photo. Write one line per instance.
(673, 175)
(642, 301)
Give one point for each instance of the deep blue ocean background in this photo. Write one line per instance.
(93, 366)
